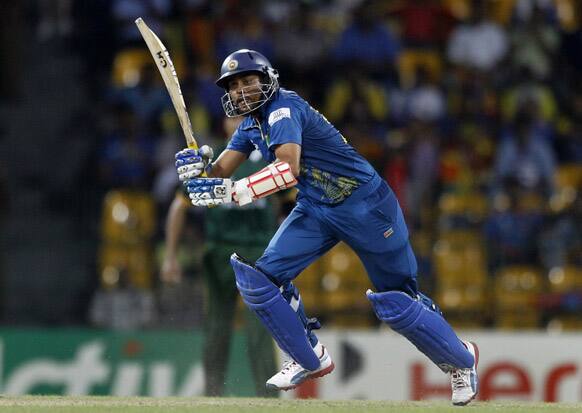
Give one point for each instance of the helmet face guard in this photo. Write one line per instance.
(245, 62)
(248, 101)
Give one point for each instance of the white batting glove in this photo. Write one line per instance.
(218, 191)
(209, 191)
(191, 163)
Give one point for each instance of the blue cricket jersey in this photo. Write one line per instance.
(331, 169)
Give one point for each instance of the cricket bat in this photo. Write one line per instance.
(168, 72)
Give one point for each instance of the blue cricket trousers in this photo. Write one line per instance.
(370, 221)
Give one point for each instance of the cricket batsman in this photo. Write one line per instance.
(340, 198)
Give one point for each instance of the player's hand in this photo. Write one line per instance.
(171, 272)
(209, 191)
(191, 163)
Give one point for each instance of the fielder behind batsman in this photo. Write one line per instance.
(247, 230)
(341, 198)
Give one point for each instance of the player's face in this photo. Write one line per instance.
(245, 90)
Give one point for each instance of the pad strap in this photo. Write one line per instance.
(265, 299)
(291, 294)
(422, 324)
(272, 178)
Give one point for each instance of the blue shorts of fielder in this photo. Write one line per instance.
(371, 222)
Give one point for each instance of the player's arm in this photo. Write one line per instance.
(228, 162)
(216, 191)
(273, 178)
(290, 153)
(279, 175)
(171, 271)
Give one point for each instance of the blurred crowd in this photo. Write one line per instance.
(471, 109)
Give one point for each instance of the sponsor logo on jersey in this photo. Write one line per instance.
(279, 114)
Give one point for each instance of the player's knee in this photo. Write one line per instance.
(395, 308)
(269, 265)
(400, 310)
(254, 286)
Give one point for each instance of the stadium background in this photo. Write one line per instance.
(470, 109)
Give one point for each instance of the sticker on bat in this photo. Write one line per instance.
(163, 61)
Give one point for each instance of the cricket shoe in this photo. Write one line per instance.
(464, 382)
(292, 374)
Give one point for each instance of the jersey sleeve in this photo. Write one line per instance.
(239, 142)
(286, 124)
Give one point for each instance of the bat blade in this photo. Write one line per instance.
(168, 72)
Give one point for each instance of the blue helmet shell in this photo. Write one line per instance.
(243, 61)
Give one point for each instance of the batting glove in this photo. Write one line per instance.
(191, 163)
(209, 191)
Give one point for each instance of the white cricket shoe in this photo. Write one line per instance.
(292, 374)
(464, 382)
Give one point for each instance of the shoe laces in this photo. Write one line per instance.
(460, 379)
(289, 366)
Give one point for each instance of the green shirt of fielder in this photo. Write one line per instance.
(246, 231)
(251, 226)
